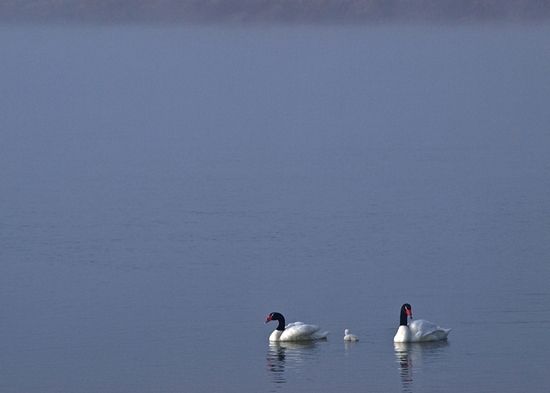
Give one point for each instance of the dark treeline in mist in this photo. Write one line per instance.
(276, 11)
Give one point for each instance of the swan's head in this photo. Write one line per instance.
(408, 309)
(406, 312)
(275, 316)
(346, 332)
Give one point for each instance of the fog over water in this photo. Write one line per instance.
(165, 187)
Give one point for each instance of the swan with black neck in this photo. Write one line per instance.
(418, 330)
(296, 331)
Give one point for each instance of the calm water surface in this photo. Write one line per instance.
(163, 189)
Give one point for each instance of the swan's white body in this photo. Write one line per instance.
(419, 331)
(350, 337)
(298, 331)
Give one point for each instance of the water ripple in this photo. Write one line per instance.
(409, 356)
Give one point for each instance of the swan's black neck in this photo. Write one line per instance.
(403, 318)
(279, 317)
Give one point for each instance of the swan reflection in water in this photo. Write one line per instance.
(350, 346)
(288, 355)
(415, 355)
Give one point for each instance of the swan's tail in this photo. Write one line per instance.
(321, 335)
(442, 334)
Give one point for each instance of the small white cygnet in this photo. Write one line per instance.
(350, 337)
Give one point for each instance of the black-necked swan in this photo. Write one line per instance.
(417, 330)
(296, 331)
(350, 337)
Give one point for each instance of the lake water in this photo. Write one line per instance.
(163, 189)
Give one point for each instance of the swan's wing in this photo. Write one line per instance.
(422, 330)
(299, 331)
(436, 335)
(294, 324)
(421, 327)
(303, 329)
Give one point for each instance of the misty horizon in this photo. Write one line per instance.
(274, 11)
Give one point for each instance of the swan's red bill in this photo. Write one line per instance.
(268, 318)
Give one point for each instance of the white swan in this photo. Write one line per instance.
(296, 331)
(418, 330)
(350, 337)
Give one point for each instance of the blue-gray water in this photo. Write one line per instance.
(163, 189)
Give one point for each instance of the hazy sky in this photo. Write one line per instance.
(279, 11)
